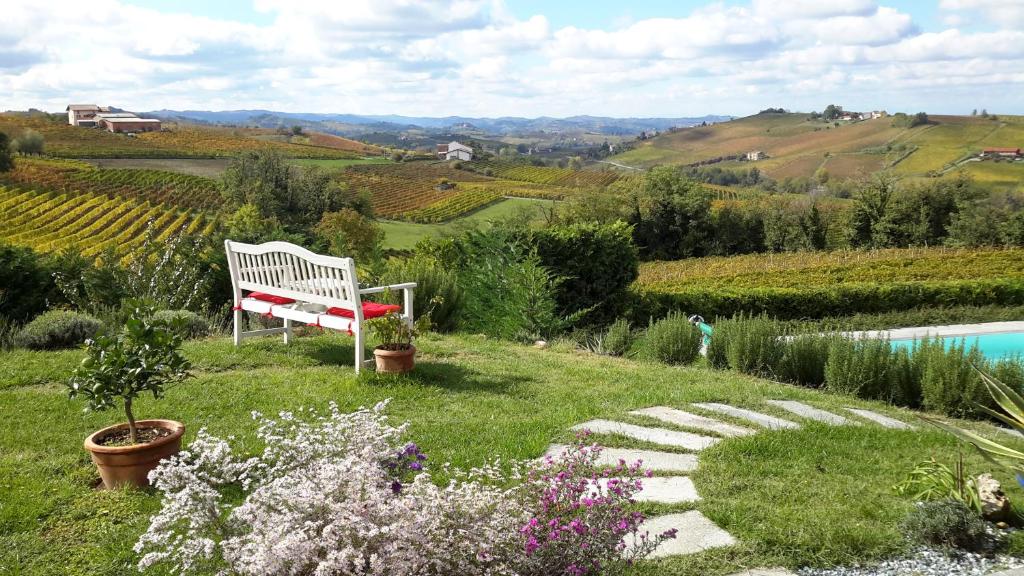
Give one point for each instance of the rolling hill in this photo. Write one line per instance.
(797, 146)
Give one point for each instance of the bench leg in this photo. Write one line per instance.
(360, 351)
(238, 327)
(287, 331)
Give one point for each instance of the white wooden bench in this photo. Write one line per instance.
(291, 283)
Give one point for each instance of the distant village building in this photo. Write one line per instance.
(84, 114)
(1001, 153)
(876, 114)
(755, 155)
(129, 124)
(90, 115)
(454, 151)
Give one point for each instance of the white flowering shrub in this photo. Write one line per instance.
(341, 494)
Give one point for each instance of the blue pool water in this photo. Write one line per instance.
(992, 346)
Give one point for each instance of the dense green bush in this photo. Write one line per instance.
(950, 384)
(718, 348)
(58, 329)
(437, 289)
(803, 360)
(184, 323)
(831, 301)
(672, 340)
(862, 368)
(25, 283)
(950, 524)
(755, 345)
(618, 339)
(596, 264)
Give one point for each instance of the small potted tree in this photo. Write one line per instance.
(395, 354)
(144, 357)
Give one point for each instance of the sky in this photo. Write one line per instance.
(654, 58)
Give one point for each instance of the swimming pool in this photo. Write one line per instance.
(992, 346)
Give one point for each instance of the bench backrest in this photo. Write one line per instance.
(284, 269)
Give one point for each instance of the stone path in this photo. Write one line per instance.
(656, 435)
(881, 420)
(763, 420)
(695, 531)
(652, 459)
(811, 413)
(688, 420)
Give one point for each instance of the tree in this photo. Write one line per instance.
(30, 142)
(832, 112)
(350, 234)
(974, 112)
(869, 226)
(672, 216)
(575, 163)
(6, 158)
(296, 130)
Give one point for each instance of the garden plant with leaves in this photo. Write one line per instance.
(144, 357)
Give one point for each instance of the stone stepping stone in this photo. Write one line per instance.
(652, 459)
(764, 420)
(1014, 572)
(667, 490)
(695, 534)
(663, 490)
(811, 413)
(883, 421)
(765, 572)
(656, 435)
(681, 418)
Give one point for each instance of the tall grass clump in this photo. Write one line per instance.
(618, 339)
(755, 345)
(672, 340)
(803, 360)
(862, 368)
(721, 337)
(950, 382)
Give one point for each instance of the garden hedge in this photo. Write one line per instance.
(827, 301)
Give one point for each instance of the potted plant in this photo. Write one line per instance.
(395, 354)
(144, 357)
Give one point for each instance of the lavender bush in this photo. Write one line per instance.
(343, 494)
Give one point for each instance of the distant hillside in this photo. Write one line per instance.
(355, 124)
(798, 147)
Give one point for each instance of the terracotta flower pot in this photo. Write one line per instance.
(395, 361)
(130, 465)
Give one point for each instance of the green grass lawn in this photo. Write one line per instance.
(405, 235)
(819, 495)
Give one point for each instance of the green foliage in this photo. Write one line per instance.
(394, 332)
(29, 143)
(755, 345)
(6, 158)
(596, 263)
(931, 481)
(949, 524)
(862, 368)
(722, 336)
(507, 292)
(144, 357)
(671, 217)
(672, 340)
(950, 383)
(618, 339)
(25, 284)
(184, 323)
(349, 234)
(803, 360)
(437, 294)
(296, 197)
(58, 329)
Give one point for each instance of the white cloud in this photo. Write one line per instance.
(415, 56)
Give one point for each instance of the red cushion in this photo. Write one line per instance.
(271, 298)
(370, 310)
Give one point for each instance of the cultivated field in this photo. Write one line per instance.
(798, 147)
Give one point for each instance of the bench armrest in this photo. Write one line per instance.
(378, 289)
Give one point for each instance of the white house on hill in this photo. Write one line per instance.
(454, 151)
(84, 114)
